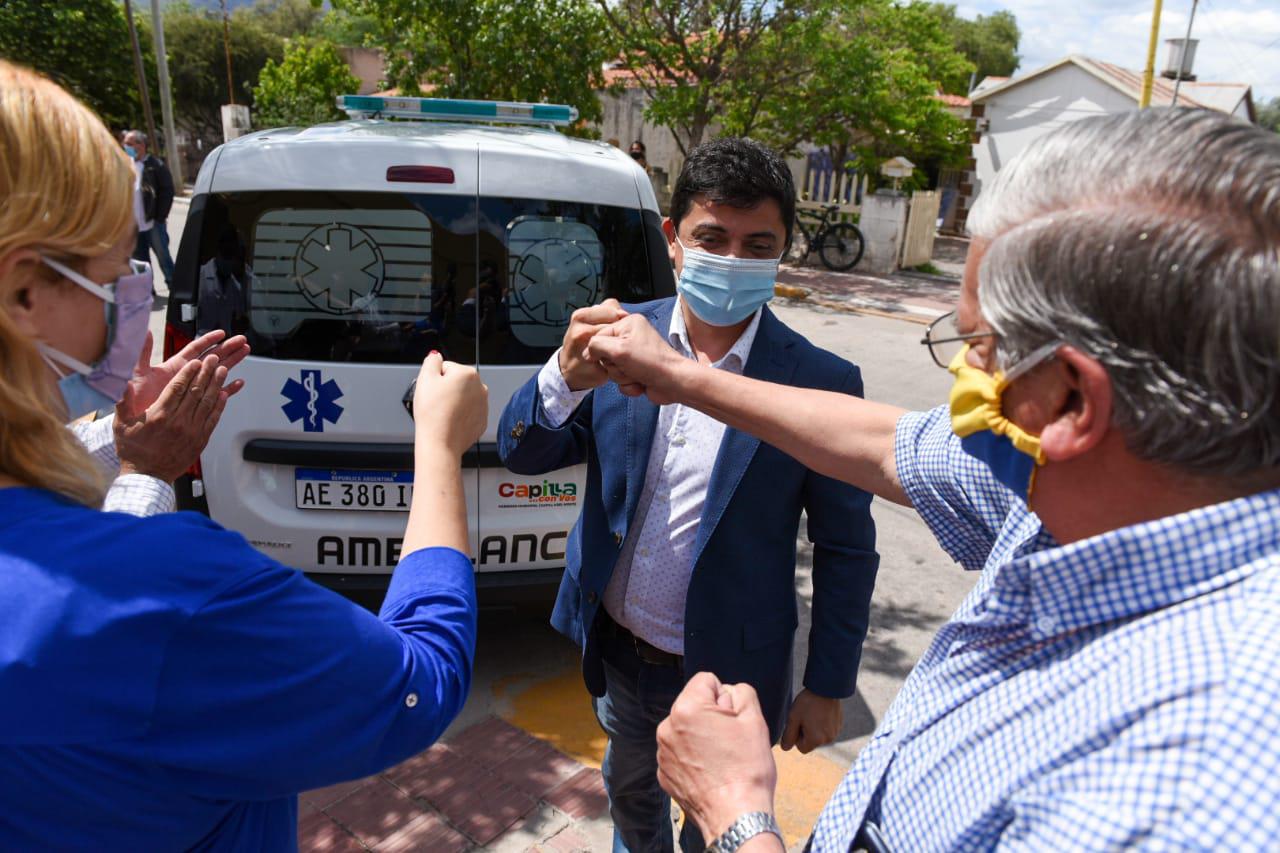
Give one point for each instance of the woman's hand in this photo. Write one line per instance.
(450, 409)
(450, 405)
(168, 436)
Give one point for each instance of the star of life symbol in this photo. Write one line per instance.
(312, 401)
(553, 279)
(339, 268)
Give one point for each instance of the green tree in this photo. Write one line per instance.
(347, 29)
(871, 92)
(714, 61)
(287, 18)
(82, 44)
(989, 41)
(197, 62)
(858, 76)
(1268, 113)
(517, 50)
(302, 89)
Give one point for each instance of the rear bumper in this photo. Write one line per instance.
(493, 589)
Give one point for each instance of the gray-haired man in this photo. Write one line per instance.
(152, 199)
(1110, 461)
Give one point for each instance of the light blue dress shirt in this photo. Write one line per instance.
(650, 585)
(1114, 693)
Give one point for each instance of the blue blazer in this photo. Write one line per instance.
(740, 614)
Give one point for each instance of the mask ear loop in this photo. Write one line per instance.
(104, 293)
(50, 355)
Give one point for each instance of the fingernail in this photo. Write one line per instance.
(434, 352)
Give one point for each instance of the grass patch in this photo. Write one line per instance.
(927, 268)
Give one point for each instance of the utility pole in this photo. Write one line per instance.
(226, 46)
(1149, 73)
(142, 74)
(166, 96)
(1182, 58)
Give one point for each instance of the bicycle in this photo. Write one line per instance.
(839, 244)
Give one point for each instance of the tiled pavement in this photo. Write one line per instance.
(492, 787)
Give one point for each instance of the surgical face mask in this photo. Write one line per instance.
(725, 291)
(131, 151)
(127, 305)
(985, 433)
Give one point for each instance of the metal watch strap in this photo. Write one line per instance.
(748, 826)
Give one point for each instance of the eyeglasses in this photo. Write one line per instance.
(944, 339)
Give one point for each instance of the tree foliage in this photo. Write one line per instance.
(302, 89)
(286, 18)
(197, 62)
(1268, 114)
(347, 29)
(519, 50)
(701, 61)
(872, 91)
(990, 42)
(82, 44)
(857, 76)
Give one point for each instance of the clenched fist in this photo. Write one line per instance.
(579, 373)
(450, 405)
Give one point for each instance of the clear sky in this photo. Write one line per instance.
(1239, 39)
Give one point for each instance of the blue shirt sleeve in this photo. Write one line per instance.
(959, 498)
(278, 685)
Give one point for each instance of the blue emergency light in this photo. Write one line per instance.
(506, 112)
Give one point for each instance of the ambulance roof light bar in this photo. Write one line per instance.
(445, 109)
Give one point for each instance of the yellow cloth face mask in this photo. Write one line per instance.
(985, 433)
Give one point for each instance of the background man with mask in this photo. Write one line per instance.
(152, 200)
(684, 556)
(1110, 461)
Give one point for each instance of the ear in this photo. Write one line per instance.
(20, 270)
(1082, 414)
(673, 248)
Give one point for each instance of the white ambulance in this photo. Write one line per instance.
(348, 251)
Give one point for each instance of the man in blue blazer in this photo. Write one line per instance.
(683, 559)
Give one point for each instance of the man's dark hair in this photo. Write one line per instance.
(736, 171)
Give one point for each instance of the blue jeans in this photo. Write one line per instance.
(160, 245)
(638, 696)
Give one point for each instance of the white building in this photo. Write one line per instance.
(1010, 112)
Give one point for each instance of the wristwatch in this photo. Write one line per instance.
(748, 826)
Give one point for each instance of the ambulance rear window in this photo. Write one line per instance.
(387, 277)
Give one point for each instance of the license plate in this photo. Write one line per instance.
(365, 491)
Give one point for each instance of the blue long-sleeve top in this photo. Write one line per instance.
(164, 686)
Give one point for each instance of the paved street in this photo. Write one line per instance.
(517, 769)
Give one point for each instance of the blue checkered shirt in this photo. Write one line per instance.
(1121, 691)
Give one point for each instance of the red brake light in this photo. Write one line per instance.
(420, 174)
(174, 340)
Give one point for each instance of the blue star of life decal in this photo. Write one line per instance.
(312, 401)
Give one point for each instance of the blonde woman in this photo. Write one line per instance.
(164, 686)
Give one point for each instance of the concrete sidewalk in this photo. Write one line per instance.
(492, 786)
